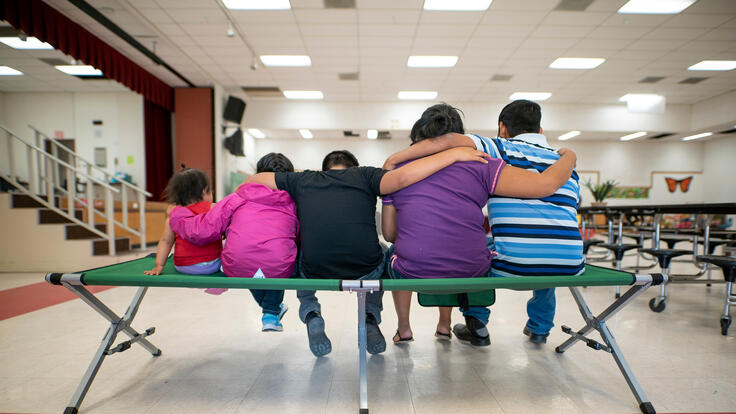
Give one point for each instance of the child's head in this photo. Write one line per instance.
(339, 158)
(274, 162)
(519, 117)
(437, 120)
(188, 186)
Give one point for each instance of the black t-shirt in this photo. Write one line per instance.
(337, 212)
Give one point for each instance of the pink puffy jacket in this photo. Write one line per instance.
(260, 228)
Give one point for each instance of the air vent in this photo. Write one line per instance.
(651, 79)
(339, 4)
(573, 5)
(350, 133)
(349, 76)
(662, 135)
(263, 91)
(692, 81)
(384, 134)
(500, 77)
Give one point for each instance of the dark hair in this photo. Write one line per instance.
(437, 120)
(274, 162)
(520, 117)
(341, 157)
(186, 187)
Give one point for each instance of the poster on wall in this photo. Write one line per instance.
(629, 192)
(684, 184)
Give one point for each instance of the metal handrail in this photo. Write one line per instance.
(76, 156)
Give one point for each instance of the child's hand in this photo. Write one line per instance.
(389, 164)
(156, 270)
(469, 154)
(568, 151)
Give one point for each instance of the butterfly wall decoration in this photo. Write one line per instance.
(684, 184)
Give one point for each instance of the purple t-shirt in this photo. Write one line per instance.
(440, 222)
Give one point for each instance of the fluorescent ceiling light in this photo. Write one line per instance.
(644, 102)
(256, 132)
(304, 94)
(655, 6)
(635, 135)
(418, 95)
(714, 65)
(576, 63)
(457, 5)
(696, 136)
(431, 61)
(79, 70)
(571, 134)
(257, 4)
(286, 60)
(306, 134)
(372, 134)
(531, 96)
(29, 43)
(8, 71)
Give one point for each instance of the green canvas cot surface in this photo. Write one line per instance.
(131, 274)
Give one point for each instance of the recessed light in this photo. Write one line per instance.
(286, 60)
(571, 134)
(714, 65)
(531, 96)
(457, 5)
(8, 71)
(79, 70)
(417, 95)
(256, 132)
(696, 136)
(306, 134)
(304, 94)
(372, 134)
(576, 63)
(655, 6)
(643, 102)
(635, 135)
(257, 4)
(431, 61)
(29, 43)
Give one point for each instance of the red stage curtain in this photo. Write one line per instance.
(36, 18)
(159, 157)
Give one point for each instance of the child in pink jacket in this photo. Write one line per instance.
(261, 228)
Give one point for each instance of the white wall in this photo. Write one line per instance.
(719, 176)
(122, 132)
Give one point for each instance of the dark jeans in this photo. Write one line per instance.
(268, 300)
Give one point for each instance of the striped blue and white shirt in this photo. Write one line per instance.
(533, 237)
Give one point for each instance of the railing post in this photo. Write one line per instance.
(55, 169)
(90, 202)
(11, 159)
(109, 215)
(38, 160)
(49, 183)
(142, 218)
(71, 191)
(32, 184)
(124, 199)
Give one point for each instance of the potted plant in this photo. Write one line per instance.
(600, 191)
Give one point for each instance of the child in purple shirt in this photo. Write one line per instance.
(437, 223)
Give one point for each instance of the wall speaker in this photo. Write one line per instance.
(234, 109)
(234, 143)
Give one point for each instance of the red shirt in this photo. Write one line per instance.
(186, 254)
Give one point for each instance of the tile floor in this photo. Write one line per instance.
(215, 359)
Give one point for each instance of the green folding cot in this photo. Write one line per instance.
(131, 274)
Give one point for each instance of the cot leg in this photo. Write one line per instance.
(117, 325)
(362, 343)
(599, 323)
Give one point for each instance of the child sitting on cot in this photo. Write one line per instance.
(189, 188)
(261, 228)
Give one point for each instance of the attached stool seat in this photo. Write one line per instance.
(664, 257)
(618, 253)
(672, 241)
(589, 242)
(713, 243)
(728, 265)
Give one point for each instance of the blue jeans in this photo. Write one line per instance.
(373, 301)
(204, 268)
(268, 300)
(481, 313)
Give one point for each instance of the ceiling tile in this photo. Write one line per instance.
(387, 42)
(450, 17)
(495, 31)
(389, 4)
(317, 29)
(214, 15)
(264, 16)
(618, 32)
(669, 33)
(326, 16)
(386, 30)
(494, 17)
(389, 16)
(684, 20)
(551, 31)
(526, 5)
(187, 4)
(448, 30)
(575, 18)
(636, 20)
(720, 34)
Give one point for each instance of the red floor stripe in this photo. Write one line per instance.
(29, 298)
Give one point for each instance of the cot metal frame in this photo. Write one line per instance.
(119, 324)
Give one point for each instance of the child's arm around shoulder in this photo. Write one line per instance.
(427, 147)
(265, 178)
(209, 226)
(388, 222)
(520, 183)
(165, 243)
(422, 168)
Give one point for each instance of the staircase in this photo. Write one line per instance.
(50, 191)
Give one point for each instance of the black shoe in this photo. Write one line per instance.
(319, 343)
(473, 331)
(536, 338)
(375, 342)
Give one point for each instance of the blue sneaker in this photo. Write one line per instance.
(272, 322)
